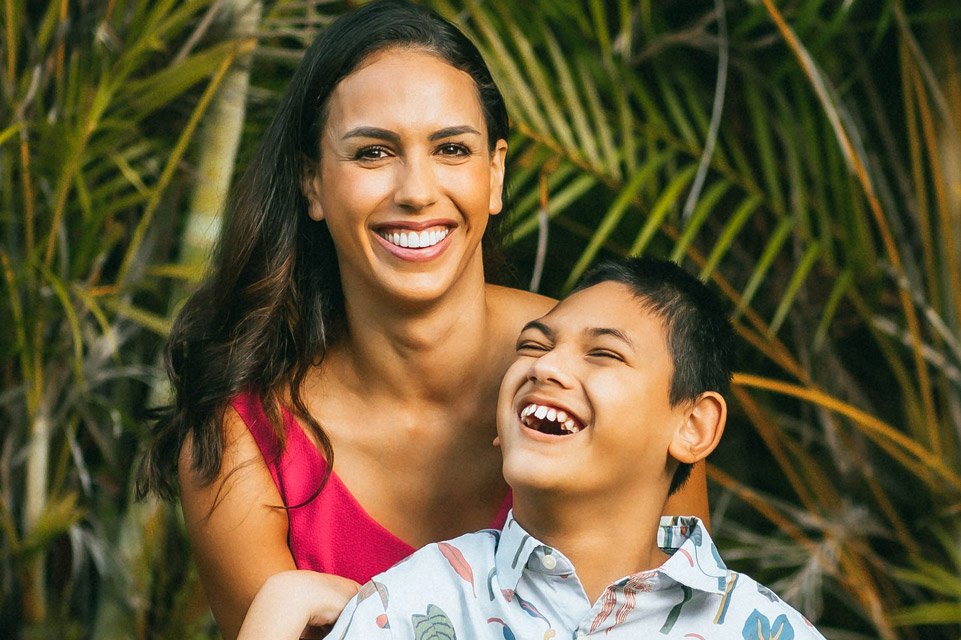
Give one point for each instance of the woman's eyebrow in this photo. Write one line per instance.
(448, 132)
(390, 136)
(372, 132)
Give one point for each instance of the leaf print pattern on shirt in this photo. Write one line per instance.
(531, 609)
(459, 564)
(637, 583)
(767, 593)
(435, 625)
(676, 609)
(508, 634)
(370, 588)
(520, 548)
(725, 601)
(610, 599)
(758, 627)
(677, 601)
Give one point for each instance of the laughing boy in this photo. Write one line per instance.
(612, 397)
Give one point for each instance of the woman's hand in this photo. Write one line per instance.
(296, 604)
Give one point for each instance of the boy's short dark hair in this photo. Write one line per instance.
(699, 334)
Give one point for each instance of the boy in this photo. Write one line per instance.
(613, 396)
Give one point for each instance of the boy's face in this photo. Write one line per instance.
(584, 409)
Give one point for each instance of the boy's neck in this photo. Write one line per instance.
(604, 540)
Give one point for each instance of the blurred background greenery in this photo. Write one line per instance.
(804, 155)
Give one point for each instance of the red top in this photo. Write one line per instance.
(332, 533)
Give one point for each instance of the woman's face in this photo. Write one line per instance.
(406, 180)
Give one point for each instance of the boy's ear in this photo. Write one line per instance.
(697, 435)
(310, 185)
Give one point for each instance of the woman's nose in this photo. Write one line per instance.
(416, 184)
(553, 367)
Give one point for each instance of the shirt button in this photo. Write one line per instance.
(549, 562)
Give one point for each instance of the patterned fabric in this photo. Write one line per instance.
(507, 584)
(331, 533)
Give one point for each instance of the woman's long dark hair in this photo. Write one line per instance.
(273, 304)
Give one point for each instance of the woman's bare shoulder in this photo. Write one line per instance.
(515, 306)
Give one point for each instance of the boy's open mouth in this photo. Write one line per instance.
(550, 420)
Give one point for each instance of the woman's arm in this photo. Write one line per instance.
(293, 600)
(691, 498)
(238, 536)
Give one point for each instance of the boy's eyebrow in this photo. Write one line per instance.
(540, 326)
(616, 333)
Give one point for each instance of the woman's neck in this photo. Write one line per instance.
(424, 352)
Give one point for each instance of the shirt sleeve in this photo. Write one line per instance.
(365, 616)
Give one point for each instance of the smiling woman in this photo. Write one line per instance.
(349, 311)
(405, 154)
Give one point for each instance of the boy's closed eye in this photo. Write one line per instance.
(606, 354)
(531, 346)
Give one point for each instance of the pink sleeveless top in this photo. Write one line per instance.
(332, 533)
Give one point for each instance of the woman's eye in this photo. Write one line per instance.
(453, 149)
(371, 153)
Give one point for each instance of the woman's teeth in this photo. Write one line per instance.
(413, 239)
(549, 420)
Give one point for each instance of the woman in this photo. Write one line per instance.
(348, 312)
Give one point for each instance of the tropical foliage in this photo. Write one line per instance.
(100, 104)
(804, 156)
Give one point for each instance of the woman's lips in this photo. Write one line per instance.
(413, 239)
(415, 245)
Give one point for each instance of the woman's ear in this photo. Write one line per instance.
(498, 158)
(700, 432)
(310, 185)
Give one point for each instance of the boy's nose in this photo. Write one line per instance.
(552, 367)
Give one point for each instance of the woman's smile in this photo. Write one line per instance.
(415, 242)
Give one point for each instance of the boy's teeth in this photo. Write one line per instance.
(538, 416)
(415, 240)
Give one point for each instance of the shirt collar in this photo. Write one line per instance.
(518, 550)
(694, 562)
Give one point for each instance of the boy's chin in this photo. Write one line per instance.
(526, 478)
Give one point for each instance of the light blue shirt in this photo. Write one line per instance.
(508, 585)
